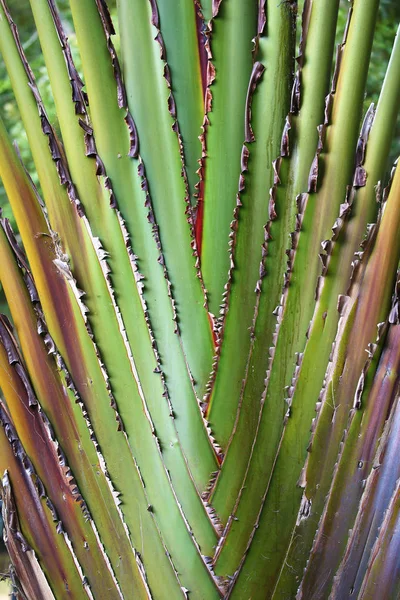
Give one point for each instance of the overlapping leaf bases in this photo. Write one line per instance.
(201, 380)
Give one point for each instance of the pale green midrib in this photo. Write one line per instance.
(371, 302)
(147, 96)
(83, 356)
(200, 509)
(347, 477)
(346, 110)
(375, 162)
(268, 118)
(231, 46)
(178, 27)
(71, 429)
(40, 529)
(126, 185)
(190, 425)
(382, 572)
(39, 145)
(173, 528)
(355, 560)
(303, 140)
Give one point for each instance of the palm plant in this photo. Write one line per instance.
(201, 377)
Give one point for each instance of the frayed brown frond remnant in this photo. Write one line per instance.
(12, 530)
(262, 17)
(215, 7)
(67, 382)
(380, 468)
(393, 319)
(57, 153)
(359, 180)
(32, 493)
(304, 510)
(208, 74)
(371, 232)
(21, 259)
(394, 315)
(371, 351)
(301, 203)
(26, 575)
(345, 306)
(328, 245)
(214, 518)
(62, 265)
(285, 146)
(155, 19)
(79, 97)
(57, 460)
(262, 22)
(358, 257)
(296, 90)
(360, 175)
(189, 209)
(256, 74)
(208, 78)
(109, 31)
(139, 281)
(201, 43)
(37, 489)
(105, 16)
(15, 360)
(156, 236)
(133, 136)
(218, 323)
(313, 176)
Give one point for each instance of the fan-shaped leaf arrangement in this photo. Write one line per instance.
(201, 380)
